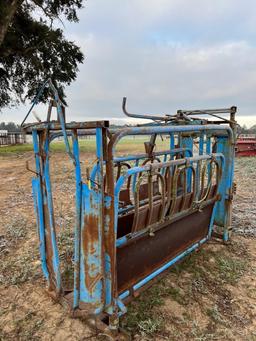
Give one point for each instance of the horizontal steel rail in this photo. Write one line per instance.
(166, 130)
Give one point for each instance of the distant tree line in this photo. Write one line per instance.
(244, 130)
(10, 126)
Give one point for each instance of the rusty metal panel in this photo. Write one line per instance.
(91, 264)
(246, 146)
(142, 255)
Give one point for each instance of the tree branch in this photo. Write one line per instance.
(8, 9)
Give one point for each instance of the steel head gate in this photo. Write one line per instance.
(136, 215)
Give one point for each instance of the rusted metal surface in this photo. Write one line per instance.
(136, 215)
(144, 254)
(246, 145)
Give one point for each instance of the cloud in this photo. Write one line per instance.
(164, 55)
(165, 77)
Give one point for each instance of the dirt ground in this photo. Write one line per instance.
(209, 296)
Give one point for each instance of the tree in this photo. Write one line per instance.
(253, 129)
(33, 48)
(10, 126)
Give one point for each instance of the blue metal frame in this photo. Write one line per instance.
(92, 201)
(98, 207)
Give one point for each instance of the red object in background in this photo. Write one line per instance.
(246, 145)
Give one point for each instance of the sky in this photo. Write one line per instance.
(163, 55)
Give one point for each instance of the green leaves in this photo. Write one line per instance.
(33, 50)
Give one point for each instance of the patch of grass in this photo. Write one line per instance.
(16, 229)
(247, 164)
(126, 145)
(238, 249)
(187, 264)
(199, 284)
(194, 264)
(65, 240)
(150, 326)
(142, 316)
(4, 245)
(230, 269)
(227, 266)
(26, 327)
(175, 294)
(17, 149)
(214, 314)
(18, 270)
(201, 335)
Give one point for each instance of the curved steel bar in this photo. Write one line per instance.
(194, 184)
(168, 181)
(207, 163)
(119, 166)
(139, 156)
(147, 117)
(170, 206)
(166, 130)
(53, 136)
(159, 130)
(150, 167)
(174, 187)
(136, 170)
(162, 180)
(218, 176)
(218, 179)
(137, 203)
(150, 201)
(160, 153)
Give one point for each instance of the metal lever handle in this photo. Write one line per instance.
(146, 116)
(29, 169)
